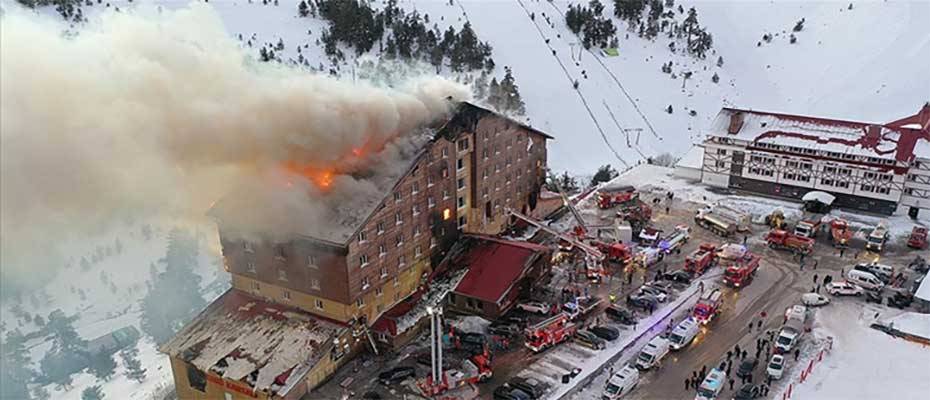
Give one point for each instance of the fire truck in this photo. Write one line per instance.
(637, 213)
(740, 273)
(717, 224)
(840, 233)
(702, 259)
(593, 257)
(550, 332)
(608, 198)
(918, 238)
(614, 252)
(708, 306)
(808, 228)
(784, 240)
(876, 240)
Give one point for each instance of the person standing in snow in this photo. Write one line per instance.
(797, 353)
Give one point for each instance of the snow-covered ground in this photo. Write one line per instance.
(864, 363)
(102, 309)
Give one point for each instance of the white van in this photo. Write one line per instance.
(683, 334)
(654, 351)
(622, 383)
(866, 280)
(712, 385)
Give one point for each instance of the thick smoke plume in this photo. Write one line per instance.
(152, 112)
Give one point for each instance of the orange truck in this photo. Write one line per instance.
(840, 233)
(701, 259)
(740, 273)
(610, 197)
(784, 240)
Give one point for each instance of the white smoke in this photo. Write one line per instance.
(161, 112)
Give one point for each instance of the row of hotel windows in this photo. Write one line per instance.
(360, 302)
(831, 154)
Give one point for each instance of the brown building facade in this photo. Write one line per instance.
(477, 165)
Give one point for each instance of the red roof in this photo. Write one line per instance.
(494, 266)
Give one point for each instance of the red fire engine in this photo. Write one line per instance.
(708, 306)
(615, 252)
(840, 233)
(550, 332)
(609, 198)
(702, 259)
(918, 238)
(473, 370)
(741, 272)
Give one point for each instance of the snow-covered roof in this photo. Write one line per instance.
(821, 134)
(694, 158)
(923, 291)
(917, 324)
(238, 335)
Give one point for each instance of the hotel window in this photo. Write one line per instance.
(256, 287)
(379, 292)
(416, 230)
(509, 161)
(279, 253)
(415, 209)
(429, 180)
(461, 202)
(311, 262)
(282, 275)
(366, 282)
(287, 295)
(445, 194)
(319, 304)
(363, 260)
(445, 173)
(415, 188)
(432, 242)
(722, 152)
(461, 183)
(250, 266)
(417, 251)
(396, 196)
(380, 227)
(247, 246)
(360, 302)
(445, 152)
(462, 221)
(463, 144)
(460, 164)
(381, 250)
(315, 284)
(484, 153)
(430, 202)
(399, 241)
(383, 272)
(396, 282)
(398, 219)
(362, 237)
(401, 261)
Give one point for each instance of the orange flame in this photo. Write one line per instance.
(321, 177)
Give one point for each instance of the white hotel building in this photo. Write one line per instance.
(878, 168)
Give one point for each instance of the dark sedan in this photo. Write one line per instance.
(396, 375)
(605, 332)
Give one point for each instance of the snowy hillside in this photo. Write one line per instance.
(865, 63)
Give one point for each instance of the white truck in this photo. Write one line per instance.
(683, 334)
(622, 383)
(789, 336)
(742, 220)
(653, 353)
(876, 240)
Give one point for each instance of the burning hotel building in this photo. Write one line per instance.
(299, 308)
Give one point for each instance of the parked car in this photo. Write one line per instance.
(680, 276)
(814, 299)
(747, 392)
(642, 300)
(745, 368)
(873, 297)
(589, 339)
(396, 375)
(776, 367)
(620, 314)
(531, 386)
(534, 307)
(606, 332)
(504, 329)
(507, 392)
(518, 320)
(372, 395)
(900, 300)
(844, 288)
(659, 294)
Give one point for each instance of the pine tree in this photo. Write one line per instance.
(102, 365)
(669, 109)
(174, 295)
(799, 26)
(15, 374)
(92, 393)
(715, 78)
(720, 61)
(85, 265)
(134, 370)
(510, 93)
(302, 9)
(604, 174)
(494, 94)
